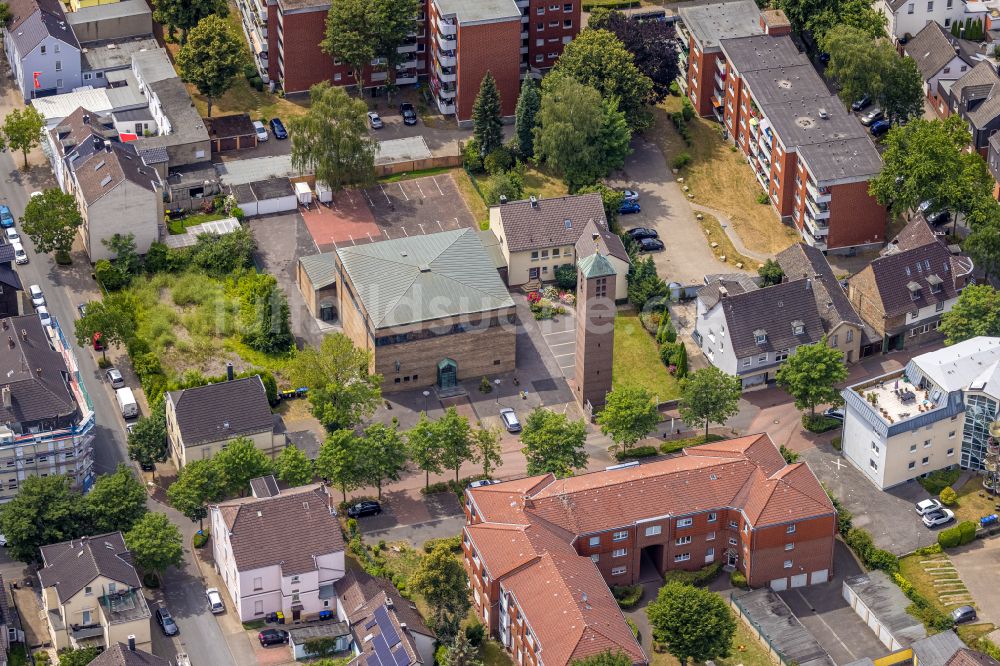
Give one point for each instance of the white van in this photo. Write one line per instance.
(127, 403)
(20, 256)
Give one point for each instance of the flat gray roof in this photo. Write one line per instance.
(402, 150)
(480, 11)
(114, 54)
(887, 602)
(240, 172)
(153, 65)
(722, 20)
(114, 10)
(783, 84)
(748, 54)
(185, 121)
(777, 622)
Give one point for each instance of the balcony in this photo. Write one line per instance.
(443, 43)
(817, 229)
(409, 47)
(720, 86)
(447, 27)
(819, 194)
(445, 74)
(818, 211)
(722, 66)
(813, 241)
(446, 92)
(445, 58)
(445, 107)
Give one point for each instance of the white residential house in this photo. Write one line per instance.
(279, 550)
(43, 52)
(905, 18)
(932, 415)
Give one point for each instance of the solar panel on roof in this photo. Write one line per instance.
(402, 658)
(370, 623)
(385, 626)
(382, 651)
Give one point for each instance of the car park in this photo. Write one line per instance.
(938, 517)
(880, 127)
(835, 413)
(650, 245)
(260, 131)
(870, 116)
(409, 114)
(272, 637)
(928, 505)
(375, 121)
(37, 297)
(861, 104)
(43, 314)
(6, 219)
(166, 622)
(638, 233)
(12, 235)
(964, 614)
(364, 508)
(215, 603)
(278, 128)
(20, 256)
(629, 207)
(509, 418)
(114, 377)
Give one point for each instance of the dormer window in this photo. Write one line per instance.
(935, 282)
(760, 336)
(914, 288)
(798, 327)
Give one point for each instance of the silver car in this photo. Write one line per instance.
(509, 418)
(215, 603)
(260, 131)
(115, 378)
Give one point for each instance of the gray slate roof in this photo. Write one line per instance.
(772, 310)
(608, 242)
(222, 411)
(321, 268)
(804, 261)
(978, 93)
(733, 283)
(711, 23)
(34, 20)
(549, 222)
(422, 278)
(119, 655)
(932, 48)
(72, 565)
(105, 170)
(888, 603)
(35, 373)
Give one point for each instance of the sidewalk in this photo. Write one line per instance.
(730, 230)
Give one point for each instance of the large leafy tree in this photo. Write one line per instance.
(553, 443)
(240, 462)
(211, 58)
(694, 623)
(487, 117)
(811, 374)
(155, 543)
(294, 467)
(197, 484)
(186, 14)
(113, 318)
(442, 581)
(486, 448)
(579, 135)
(331, 139)
(424, 447)
(800, 11)
(22, 130)
(341, 389)
(342, 459)
(770, 273)
(147, 443)
(455, 437)
(709, 395)
(629, 414)
(529, 102)
(51, 221)
(652, 43)
(392, 23)
(77, 656)
(45, 510)
(977, 312)
(598, 59)
(983, 245)
(385, 455)
(117, 501)
(857, 14)
(348, 36)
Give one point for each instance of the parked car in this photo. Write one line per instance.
(880, 127)
(650, 245)
(12, 235)
(871, 116)
(260, 131)
(37, 297)
(964, 614)
(215, 603)
(861, 104)
(928, 506)
(938, 217)
(98, 341)
(3, 540)
(375, 120)
(630, 195)
(483, 482)
(278, 128)
(364, 508)
(43, 314)
(82, 309)
(34, 194)
(115, 378)
(509, 418)
(272, 637)
(638, 233)
(166, 622)
(629, 207)
(938, 517)
(6, 219)
(835, 413)
(20, 256)
(409, 114)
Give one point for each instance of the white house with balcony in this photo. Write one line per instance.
(280, 550)
(932, 415)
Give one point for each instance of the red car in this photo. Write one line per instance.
(98, 342)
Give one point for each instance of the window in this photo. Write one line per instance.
(539, 57)
(850, 335)
(654, 530)
(925, 460)
(930, 6)
(875, 448)
(682, 541)
(873, 464)
(760, 337)
(909, 8)
(87, 76)
(762, 358)
(619, 536)
(911, 465)
(58, 65)
(927, 443)
(258, 583)
(833, 341)
(568, 7)
(618, 571)
(595, 541)
(86, 617)
(619, 552)
(733, 525)
(746, 362)
(258, 608)
(42, 49)
(781, 355)
(947, 22)
(789, 546)
(913, 448)
(710, 536)
(88, 591)
(567, 24)
(295, 579)
(939, 307)
(553, 24)
(555, 252)
(59, 83)
(541, 11)
(788, 564)
(790, 529)
(951, 452)
(685, 522)
(712, 517)
(732, 541)
(595, 558)
(534, 255)
(683, 557)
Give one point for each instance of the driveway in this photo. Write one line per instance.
(559, 335)
(976, 564)
(409, 516)
(687, 257)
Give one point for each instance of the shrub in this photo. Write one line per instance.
(933, 549)
(681, 160)
(472, 158)
(882, 559)
(109, 275)
(509, 184)
(789, 455)
(675, 89)
(967, 531)
(633, 626)
(949, 538)
(860, 541)
(937, 481)
(836, 443)
(499, 161)
(687, 110)
(844, 518)
(628, 596)
(475, 632)
(637, 452)
(200, 539)
(678, 444)
(762, 198)
(566, 277)
(452, 543)
(819, 423)
(352, 527)
(948, 496)
(737, 579)
(702, 576)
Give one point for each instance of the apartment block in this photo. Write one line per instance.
(540, 543)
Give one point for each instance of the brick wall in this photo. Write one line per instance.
(701, 78)
(855, 217)
(811, 549)
(595, 338)
(493, 47)
(551, 26)
(297, 41)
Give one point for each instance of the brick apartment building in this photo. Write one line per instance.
(539, 544)
(454, 43)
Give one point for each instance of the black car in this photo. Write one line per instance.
(166, 622)
(861, 104)
(409, 114)
(639, 233)
(364, 508)
(272, 637)
(824, 57)
(650, 245)
(938, 217)
(963, 614)
(278, 128)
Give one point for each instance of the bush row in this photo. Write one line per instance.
(872, 557)
(675, 445)
(457, 487)
(637, 452)
(628, 596)
(819, 423)
(453, 543)
(702, 576)
(920, 607)
(959, 535)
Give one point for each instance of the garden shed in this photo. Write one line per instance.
(337, 633)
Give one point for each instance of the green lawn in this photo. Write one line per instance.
(637, 360)
(541, 183)
(181, 225)
(973, 501)
(746, 651)
(935, 577)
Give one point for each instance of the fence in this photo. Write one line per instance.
(776, 655)
(408, 166)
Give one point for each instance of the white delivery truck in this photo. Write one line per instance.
(127, 403)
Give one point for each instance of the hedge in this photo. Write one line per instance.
(677, 444)
(612, 4)
(860, 541)
(959, 535)
(637, 452)
(819, 423)
(628, 596)
(937, 481)
(737, 579)
(457, 487)
(920, 607)
(453, 543)
(702, 576)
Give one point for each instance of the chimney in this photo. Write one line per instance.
(86, 119)
(809, 284)
(503, 199)
(534, 201)
(131, 642)
(229, 372)
(5, 395)
(723, 292)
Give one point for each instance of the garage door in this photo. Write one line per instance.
(779, 584)
(820, 576)
(800, 580)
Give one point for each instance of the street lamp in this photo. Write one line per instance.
(497, 382)
(426, 395)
